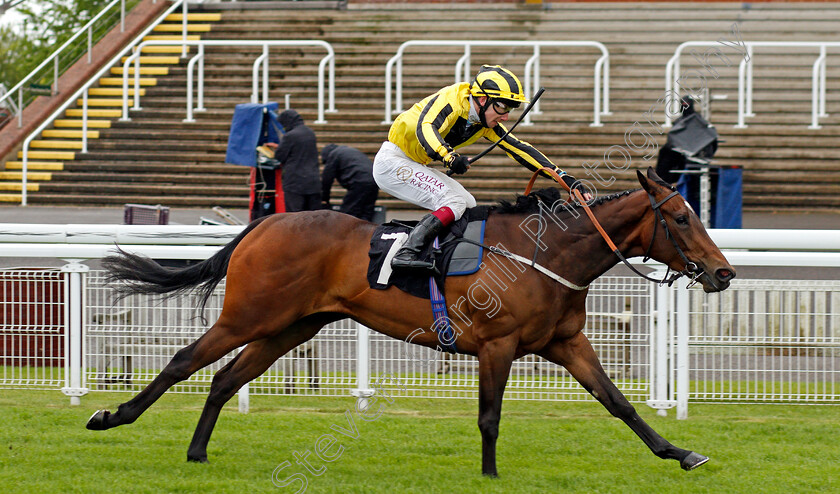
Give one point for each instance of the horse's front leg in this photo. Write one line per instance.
(494, 360)
(578, 357)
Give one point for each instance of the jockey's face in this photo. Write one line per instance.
(491, 115)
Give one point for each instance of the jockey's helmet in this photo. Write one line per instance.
(498, 83)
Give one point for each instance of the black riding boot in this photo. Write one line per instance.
(422, 234)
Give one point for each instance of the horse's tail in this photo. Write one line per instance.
(139, 274)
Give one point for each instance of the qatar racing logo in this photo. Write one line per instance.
(404, 173)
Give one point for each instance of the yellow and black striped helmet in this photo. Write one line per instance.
(496, 82)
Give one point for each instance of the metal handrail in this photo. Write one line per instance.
(261, 61)
(745, 78)
(532, 72)
(55, 58)
(83, 91)
(7, 103)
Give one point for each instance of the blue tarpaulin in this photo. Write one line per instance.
(729, 198)
(726, 198)
(253, 124)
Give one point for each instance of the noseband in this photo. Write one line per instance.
(691, 268)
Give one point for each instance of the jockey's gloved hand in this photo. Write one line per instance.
(569, 180)
(457, 163)
(574, 184)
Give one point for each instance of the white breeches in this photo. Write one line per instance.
(405, 179)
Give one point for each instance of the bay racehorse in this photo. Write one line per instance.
(288, 275)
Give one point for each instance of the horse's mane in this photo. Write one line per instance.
(530, 203)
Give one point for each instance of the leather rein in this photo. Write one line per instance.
(691, 269)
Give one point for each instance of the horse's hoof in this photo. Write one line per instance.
(98, 421)
(692, 461)
(197, 459)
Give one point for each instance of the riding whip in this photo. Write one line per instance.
(524, 112)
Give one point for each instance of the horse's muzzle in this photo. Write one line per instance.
(718, 282)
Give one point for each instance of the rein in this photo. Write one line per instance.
(691, 269)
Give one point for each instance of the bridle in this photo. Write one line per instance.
(691, 269)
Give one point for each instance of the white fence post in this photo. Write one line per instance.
(681, 313)
(660, 349)
(74, 301)
(244, 399)
(363, 390)
(244, 395)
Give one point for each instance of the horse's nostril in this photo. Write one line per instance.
(724, 274)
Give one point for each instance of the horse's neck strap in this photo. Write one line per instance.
(542, 269)
(529, 262)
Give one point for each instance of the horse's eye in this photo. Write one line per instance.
(682, 219)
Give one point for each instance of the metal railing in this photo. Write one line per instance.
(532, 72)
(8, 104)
(745, 77)
(55, 58)
(661, 345)
(83, 91)
(259, 79)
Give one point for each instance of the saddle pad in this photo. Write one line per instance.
(453, 258)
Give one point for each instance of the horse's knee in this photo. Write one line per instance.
(489, 426)
(222, 389)
(178, 367)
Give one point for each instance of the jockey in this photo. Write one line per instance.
(431, 130)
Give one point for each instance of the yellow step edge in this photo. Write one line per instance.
(117, 81)
(177, 28)
(113, 91)
(164, 49)
(114, 102)
(19, 187)
(77, 112)
(171, 37)
(69, 134)
(92, 124)
(143, 71)
(29, 176)
(39, 144)
(52, 166)
(198, 16)
(155, 60)
(49, 155)
(10, 198)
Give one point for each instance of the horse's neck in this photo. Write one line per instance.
(591, 255)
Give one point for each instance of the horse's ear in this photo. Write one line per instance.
(651, 174)
(644, 181)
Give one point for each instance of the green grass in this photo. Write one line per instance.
(416, 445)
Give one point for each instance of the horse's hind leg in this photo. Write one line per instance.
(213, 345)
(578, 357)
(251, 362)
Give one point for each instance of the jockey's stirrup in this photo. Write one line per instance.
(408, 257)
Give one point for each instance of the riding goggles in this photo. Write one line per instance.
(501, 108)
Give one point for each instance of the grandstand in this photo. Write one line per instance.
(158, 158)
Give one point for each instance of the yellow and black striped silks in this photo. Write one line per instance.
(431, 129)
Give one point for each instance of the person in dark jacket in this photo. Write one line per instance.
(354, 171)
(298, 154)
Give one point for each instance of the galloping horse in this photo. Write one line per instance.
(291, 274)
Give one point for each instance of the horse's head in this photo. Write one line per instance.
(689, 247)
